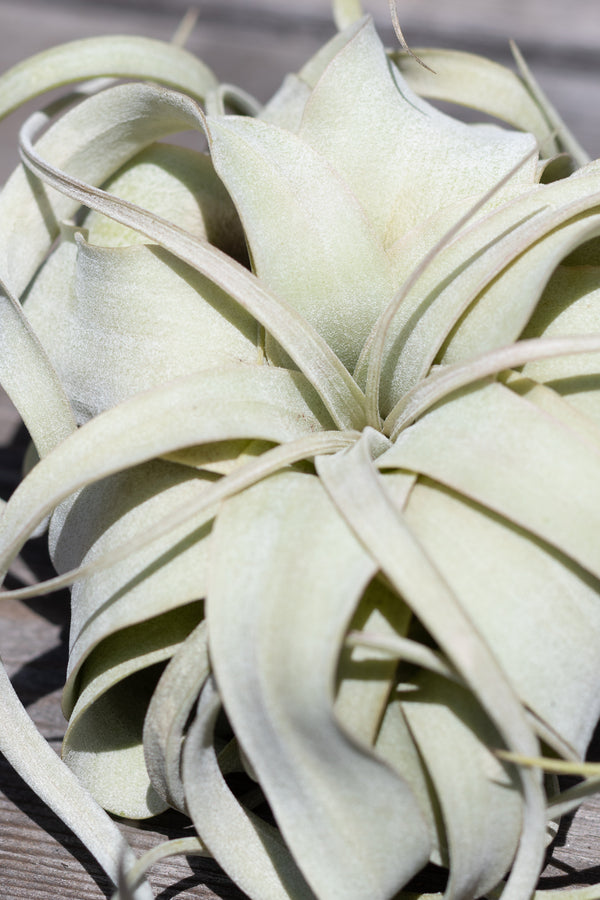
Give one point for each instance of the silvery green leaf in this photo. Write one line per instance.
(250, 472)
(479, 83)
(365, 676)
(563, 134)
(396, 745)
(273, 404)
(558, 407)
(221, 457)
(569, 306)
(514, 588)
(247, 847)
(119, 56)
(103, 743)
(362, 110)
(135, 589)
(142, 316)
(454, 737)
(36, 762)
(346, 11)
(274, 642)
(94, 139)
(312, 70)
(482, 327)
(179, 184)
(190, 846)
(168, 714)
(545, 484)
(297, 337)
(460, 306)
(443, 381)
(330, 265)
(30, 379)
(229, 98)
(361, 496)
(286, 106)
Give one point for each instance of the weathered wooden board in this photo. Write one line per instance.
(253, 43)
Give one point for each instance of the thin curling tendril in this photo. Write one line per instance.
(402, 40)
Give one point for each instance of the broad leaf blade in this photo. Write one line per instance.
(569, 306)
(143, 317)
(247, 847)
(30, 379)
(361, 110)
(514, 590)
(361, 496)
(538, 473)
(329, 264)
(481, 84)
(92, 140)
(276, 622)
(251, 401)
(295, 335)
(454, 736)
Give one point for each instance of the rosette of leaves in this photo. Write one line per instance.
(316, 426)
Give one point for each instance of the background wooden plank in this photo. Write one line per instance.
(252, 43)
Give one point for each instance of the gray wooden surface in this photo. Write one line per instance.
(252, 43)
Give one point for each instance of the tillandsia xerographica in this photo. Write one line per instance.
(316, 418)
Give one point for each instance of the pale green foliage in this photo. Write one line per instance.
(330, 516)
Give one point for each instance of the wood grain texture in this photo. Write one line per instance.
(252, 43)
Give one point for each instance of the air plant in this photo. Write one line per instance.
(316, 425)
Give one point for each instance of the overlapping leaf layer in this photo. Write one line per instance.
(316, 413)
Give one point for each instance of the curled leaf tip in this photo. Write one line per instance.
(550, 765)
(402, 39)
(185, 28)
